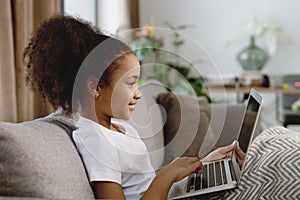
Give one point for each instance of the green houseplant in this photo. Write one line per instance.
(149, 47)
(184, 69)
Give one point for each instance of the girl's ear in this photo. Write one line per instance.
(92, 87)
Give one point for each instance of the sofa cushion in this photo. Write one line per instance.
(38, 159)
(186, 124)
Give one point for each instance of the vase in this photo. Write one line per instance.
(252, 58)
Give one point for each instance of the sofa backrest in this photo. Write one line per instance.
(39, 159)
(171, 125)
(226, 120)
(187, 124)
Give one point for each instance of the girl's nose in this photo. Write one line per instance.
(137, 94)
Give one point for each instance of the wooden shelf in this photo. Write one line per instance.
(247, 90)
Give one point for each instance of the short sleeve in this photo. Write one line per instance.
(99, 154)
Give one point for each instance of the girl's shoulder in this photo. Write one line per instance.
(92, 135)
(85, 124)
(128, 128)
(88, 128)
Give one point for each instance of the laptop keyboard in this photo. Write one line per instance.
(213, 175)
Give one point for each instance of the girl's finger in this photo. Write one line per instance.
(197, 167)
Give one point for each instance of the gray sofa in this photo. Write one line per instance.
(39, 159)
(173, 125)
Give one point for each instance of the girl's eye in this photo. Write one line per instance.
(131, 84)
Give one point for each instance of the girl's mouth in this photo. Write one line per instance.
(132, 105)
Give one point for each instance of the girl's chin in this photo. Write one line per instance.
(127, 116)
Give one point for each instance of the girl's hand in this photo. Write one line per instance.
(240, 155)
(182, 167)
(177, 170)
(220, 153)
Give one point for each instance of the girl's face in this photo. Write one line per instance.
(119, 98)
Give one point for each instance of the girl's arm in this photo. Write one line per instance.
(226, 152)
(177, 170)
(108, 190)
(220, 153)
(161, 184)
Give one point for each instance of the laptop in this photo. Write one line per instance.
(226, 173)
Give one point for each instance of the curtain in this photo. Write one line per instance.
(19, 18)
(133, 10)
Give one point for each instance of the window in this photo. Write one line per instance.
(108, 15)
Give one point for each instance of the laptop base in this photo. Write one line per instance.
(178, 189)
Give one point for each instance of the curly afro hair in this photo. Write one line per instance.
(54, 56)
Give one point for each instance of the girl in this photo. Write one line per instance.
(78, 69)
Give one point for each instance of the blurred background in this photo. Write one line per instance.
(221, 29)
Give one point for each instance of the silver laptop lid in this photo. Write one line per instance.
(248, 127)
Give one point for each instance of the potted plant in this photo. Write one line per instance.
(149, 48)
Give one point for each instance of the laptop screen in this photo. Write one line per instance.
(248, 124)
(249, 121)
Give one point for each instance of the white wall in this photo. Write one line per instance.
(215, 22)
(84, 9)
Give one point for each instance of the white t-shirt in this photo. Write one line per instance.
(112, 156)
